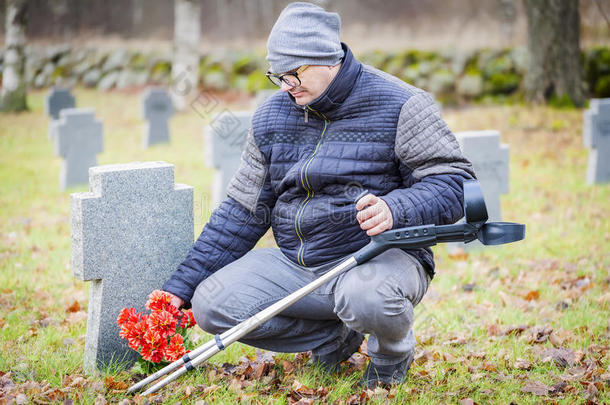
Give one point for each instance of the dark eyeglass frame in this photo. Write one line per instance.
(278, 79)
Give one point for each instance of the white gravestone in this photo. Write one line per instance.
(157, 109)
(596, 135)
(129, 233)
(225, 138)
(55, 101)
(78, 139)
(490, 160)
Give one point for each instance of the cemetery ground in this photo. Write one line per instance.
(523, 323)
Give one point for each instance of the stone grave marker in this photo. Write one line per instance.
(157, 109)
(225, 138)
(596, 136)
(490, 160)
(56, 100)
(129, 233)
(78, 139)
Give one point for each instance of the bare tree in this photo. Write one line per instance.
(185, 65)
(12, 96)
(508, 14)
(554, 51)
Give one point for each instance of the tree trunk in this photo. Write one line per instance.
(185, 66)
(554, 70)
(12, 96)
(508, 15)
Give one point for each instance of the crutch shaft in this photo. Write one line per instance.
(247, 326)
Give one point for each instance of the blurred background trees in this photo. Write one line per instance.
(12, 95)
(459, 22)
(461, 50)
(553, 44)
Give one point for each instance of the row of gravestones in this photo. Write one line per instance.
(78, 136)
(134, 227)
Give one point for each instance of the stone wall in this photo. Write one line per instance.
(453, 76)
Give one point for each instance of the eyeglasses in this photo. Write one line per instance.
(290, 78)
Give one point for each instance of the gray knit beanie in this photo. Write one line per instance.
(304, 34)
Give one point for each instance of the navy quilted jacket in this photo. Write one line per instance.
(303, 166)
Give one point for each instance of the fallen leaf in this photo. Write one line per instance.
(426, 356)
(112, 384)
(287, 366)
(561, 357)
(478, 355)
(558, 387)
(532, 295)
(210, 389)
(78, 382)
(458, 255)
(467, 401)
(74, 307)
(448, 357)
(456, 341)
(522, 364)
(536, 388)
(539, 334)
(515, 330)
(302, 389)
(494, 330)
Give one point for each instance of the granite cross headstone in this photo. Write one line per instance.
(129, 233)
(157, 109)
(56, 100)
(225, 138)
(78, 139)
(596, 135)
(490, 160)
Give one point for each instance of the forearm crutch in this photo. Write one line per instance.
(475, 227)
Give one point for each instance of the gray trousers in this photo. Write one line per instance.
(376, 297)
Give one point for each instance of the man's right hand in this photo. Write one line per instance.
(176, 301)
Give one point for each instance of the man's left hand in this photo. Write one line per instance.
(374, 216)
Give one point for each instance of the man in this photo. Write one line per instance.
(337, 127)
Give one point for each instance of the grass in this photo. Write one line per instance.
(558, 278)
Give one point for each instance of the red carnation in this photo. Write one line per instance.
(153, 346)
(188, 320)
(135, 338)
(124, 315)
(160, 301)
(176, 349)
(128, 315)
(162, 322)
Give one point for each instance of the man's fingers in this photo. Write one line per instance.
(365, 201)
(372, 222)
(372, 210)
(176, 301)
(368, 213)
(383, 226)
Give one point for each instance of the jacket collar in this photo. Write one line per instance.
(338, 90)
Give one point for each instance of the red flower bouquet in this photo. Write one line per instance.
(161, 335)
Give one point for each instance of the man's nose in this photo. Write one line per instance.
(286, 87)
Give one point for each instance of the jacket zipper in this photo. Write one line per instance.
(307, 186)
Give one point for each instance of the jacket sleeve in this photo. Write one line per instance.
(429, 153)
(234, 227)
